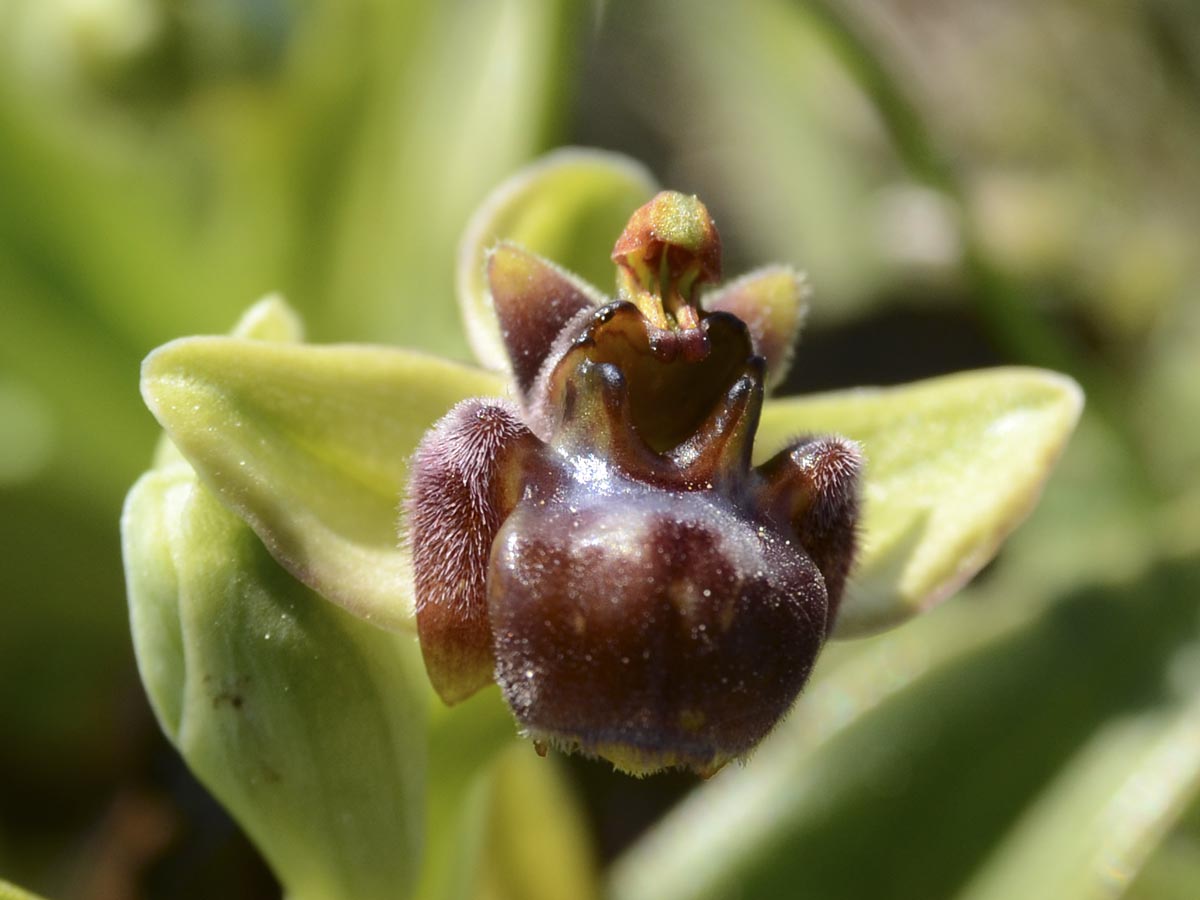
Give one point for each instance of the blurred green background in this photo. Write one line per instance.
(966, 182)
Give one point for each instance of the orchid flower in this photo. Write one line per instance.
(607, 516)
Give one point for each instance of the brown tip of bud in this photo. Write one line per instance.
(669, 248)
(679, 225)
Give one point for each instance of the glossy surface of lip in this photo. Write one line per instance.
(667, 627)
(675, 378)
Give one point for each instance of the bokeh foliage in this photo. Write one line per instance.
(1024, 174)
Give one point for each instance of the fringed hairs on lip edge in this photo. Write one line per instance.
(605, 550)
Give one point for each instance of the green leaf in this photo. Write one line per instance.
(148, 522)
(464, 741)
(78, 375)
(502, 823)
(538, 845)
(305, 722)
(28, 436)
(12, 892)
(310, 446)
(1173, 869)
(797, 182)
(1097, 824)
(570, 207)
(270, 319)
(953, 466)
(460, 95)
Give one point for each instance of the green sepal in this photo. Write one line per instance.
(310, 446)
(954, 464)
(307, 723)
(270, 319)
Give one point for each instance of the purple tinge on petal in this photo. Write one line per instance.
(675, 378)
(771, 302)
(534, 300)
(814, 484)
(466, 476)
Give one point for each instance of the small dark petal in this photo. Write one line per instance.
(466, 476)
(534, 300)
(814, 485)
(771, 302)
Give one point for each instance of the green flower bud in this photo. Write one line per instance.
(306, 722)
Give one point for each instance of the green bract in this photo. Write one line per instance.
(279, 700)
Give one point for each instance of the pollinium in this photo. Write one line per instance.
(603, 549)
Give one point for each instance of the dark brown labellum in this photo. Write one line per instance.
(607, 553)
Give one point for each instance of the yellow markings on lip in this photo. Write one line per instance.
(692, 720)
